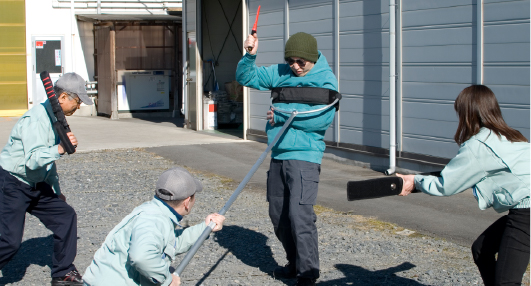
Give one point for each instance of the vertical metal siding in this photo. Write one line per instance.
(506, 59)
(439, 60)
(270, 33)
(364, 72)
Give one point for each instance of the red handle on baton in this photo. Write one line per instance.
(253, 31)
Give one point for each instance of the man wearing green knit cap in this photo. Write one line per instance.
(295, 166)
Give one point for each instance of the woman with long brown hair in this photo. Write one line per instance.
(494, 160)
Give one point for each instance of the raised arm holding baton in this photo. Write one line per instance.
(250, 46)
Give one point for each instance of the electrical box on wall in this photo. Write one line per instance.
(143, 90)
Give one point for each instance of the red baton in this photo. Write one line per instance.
(253, 31)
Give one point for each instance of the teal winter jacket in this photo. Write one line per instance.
(303, 140)
(496, 169)
(141, 248)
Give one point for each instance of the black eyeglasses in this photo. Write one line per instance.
(300, 62)
(77, 99)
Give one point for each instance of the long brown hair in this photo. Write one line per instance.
(477, 107)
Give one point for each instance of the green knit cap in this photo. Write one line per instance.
(302, 45)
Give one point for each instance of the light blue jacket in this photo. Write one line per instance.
(31, 149)
(303, 140)
(141, 248)
(496, 169)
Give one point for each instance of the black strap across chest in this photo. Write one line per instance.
(307, 95)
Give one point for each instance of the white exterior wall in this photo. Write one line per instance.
(42, 20)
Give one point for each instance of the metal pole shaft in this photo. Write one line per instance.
(190, 254)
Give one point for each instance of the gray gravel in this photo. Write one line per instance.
(105, 186)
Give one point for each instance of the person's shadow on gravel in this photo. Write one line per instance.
(32, 251)
(355, 275)
(249, 246)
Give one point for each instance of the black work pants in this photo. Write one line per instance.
(509, 238)
(17, 198)
(291, 192)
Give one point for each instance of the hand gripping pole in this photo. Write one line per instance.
(232, 198)
(193, 250)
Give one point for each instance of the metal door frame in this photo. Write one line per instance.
(36, 79)
(195, 123)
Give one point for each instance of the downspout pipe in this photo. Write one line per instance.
(72, 35)
(479, 45)
(185, 62)
(392, 88)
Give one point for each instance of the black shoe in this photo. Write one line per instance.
(72, 278)
(288, 271)
(301, 281)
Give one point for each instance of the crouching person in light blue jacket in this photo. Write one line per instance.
(140, 249)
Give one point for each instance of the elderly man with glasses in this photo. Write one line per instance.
(295, 166)
(29, 182)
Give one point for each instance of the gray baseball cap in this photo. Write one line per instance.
(74, 83)
(177, 184)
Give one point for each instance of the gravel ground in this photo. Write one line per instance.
(105, 186)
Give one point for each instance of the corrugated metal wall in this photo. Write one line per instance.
(506, 58)
(270, 51)
(439, 55)
(364, 72)
(439, 60)
(13, 90)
